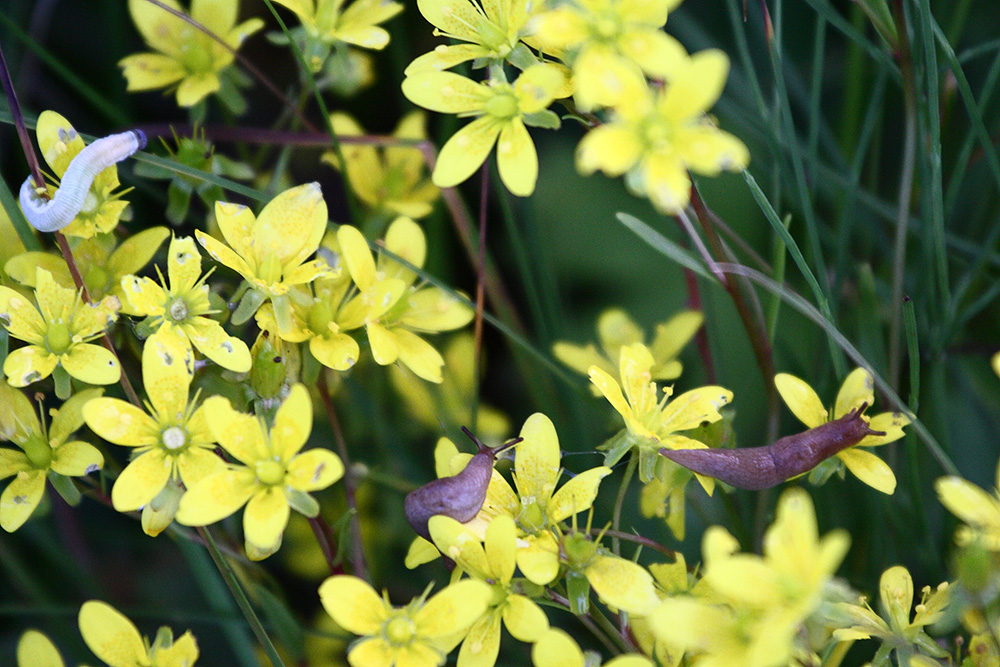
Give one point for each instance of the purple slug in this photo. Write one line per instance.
(460, 496)
(757, 468)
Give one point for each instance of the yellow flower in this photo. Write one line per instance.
(182, 54)
(391, 179)
(538, 508)
(605, 41)
(102, 207)
(328, 21)
(857, 390)
(115, 640)
(388, 304)
(102, 265)
(655, 138)
(653, 422)
(615, 329)
(181, 310)
(490, 30)
(752, 613)
(172, 442)
(36, 650)
(270, 250)
(896, 592)
(501, 111)
(418, 635)
(973, 505)
(274, 476)
(57, 333)
(996, 363)
(557, 649)
(493, 563)
(43, 453)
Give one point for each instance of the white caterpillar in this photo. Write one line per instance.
(51, 215)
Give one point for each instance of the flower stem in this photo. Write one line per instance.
(616, 516)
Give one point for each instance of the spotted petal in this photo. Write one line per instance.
(217, 496)
(20, 499)
(92, 364)
(76, 458)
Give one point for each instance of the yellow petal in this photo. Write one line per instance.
(383, 344)
(142, 296)
(357, 257)
(211, 339)
(577, 495)
(453, 609)
(167, 370)
(337, 351)
(215, 497)
(446, 92)
(148, 71)
(418, 355)
(20, 499)
(372, 652)
(695, 407)
(29, 364)
(183, 263)
(672, 335)
(890, 423)
(264, 520)
(77, 458)
(92, 364)
(656, 52)
(539, 561)
(58, 141)
(622, 584)
(608, 386)
(968, 502)
(870, 469)
(445, 57)
(217, 16)
(556, 649)
(694, 88)
(69, 417)
(313, 470)
(482, 645)
(537, 463)
(459, 544)
(121, 422)
(24, 321)
(196, 87)
(292, 423)
(432, 309)
(858, 388)
(291, 225)
(353, 604)
(665, 181)
(421, 551)
(466, 151)
(610, 148)
(524, 619)
(36, 650)
(517, 160)
(239, 433)
(112, 637)
(222, 253)
(801, 399)
(236, 222)
(141, 480)
(501, 548)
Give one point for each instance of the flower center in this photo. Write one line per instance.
(38, 451)
(174, 438)
(532, 518)
(270, 270)
(195, 54)
(579, 550)
(607, 27)
(178, 310)
(399, 630)
(502, 106)
(657, 133)
(319, 318)
(270, 472)
(57, 338)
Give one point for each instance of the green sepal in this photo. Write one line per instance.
(62, 382)
(249, 303)
(544, 119)
(521, 57)
(577, 592)
(303, 503)
(616, 446)
(65, 487)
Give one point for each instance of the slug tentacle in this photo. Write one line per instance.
(460, 496)
(51, 215)
(756, 468)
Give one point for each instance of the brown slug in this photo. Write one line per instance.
(757, 468)
(460, 496)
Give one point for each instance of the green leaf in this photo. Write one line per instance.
(65, 487)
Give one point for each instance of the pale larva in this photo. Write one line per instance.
(51, 215)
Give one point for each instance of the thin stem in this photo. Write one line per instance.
(616, 516)
(350, 482)
(637, 539)
(477, 360)
(22, 130)
(903, 202)
(240, 596)
(325, 540)
(588, 623)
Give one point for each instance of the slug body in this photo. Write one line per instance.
(460, 496)
(756, 468)
(53, 214)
